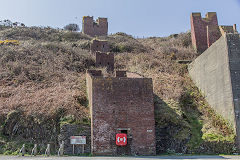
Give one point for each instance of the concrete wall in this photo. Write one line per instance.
(211, 73)
(122, 104)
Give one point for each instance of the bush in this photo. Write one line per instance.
(71, 27)
(74, 36)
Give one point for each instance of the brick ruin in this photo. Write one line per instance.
(120, 104)
(99, 45)
(94, 28)
(206, 31)
(104, 58)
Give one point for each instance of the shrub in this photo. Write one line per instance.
(72, 27)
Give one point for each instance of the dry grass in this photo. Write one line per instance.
(39, 99)
(46, 73)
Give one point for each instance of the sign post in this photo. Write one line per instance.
(76, 140)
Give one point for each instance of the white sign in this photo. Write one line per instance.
(78, 139)
(149, 130)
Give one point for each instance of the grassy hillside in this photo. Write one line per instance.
(42, 84)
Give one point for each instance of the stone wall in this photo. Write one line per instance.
(68, 130)
(94, 28)
(217, 74)
(122, 105)
(233, 43)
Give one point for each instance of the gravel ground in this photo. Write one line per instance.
(117, 158)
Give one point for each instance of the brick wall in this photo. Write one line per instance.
(205, 31)
(105, 60)
(94, 28)
(122, 104)
(199, 29)
(99, 45)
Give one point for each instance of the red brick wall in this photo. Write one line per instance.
(199, 30)
(87, 25)
(213, 34)
(121, 103)
(99, 45)
(121, 73)
(105, 60)
(95, 28)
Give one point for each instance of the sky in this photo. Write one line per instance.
(140, 18)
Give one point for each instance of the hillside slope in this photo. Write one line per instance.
(42, 85)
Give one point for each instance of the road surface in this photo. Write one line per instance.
(118, 158)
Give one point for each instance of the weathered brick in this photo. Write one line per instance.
(121, 104)
(94, 28)
(99, 45)
(205, 31)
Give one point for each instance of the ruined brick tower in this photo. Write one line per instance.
(104, 58)
(94, 28)
(99, 45)
(120, 104)
(205, 31)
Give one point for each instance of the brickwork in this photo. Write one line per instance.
(68, 130)
(99, 45)
(199, 29)
(205, 31)
(121, 73)
(216, 72)
(105, 60)
(95, 28)
(121, 105)
(213, 34)
(227, 29)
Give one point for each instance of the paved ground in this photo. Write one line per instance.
(119, 158)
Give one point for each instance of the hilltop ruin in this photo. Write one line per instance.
(94, 28)
(206, 31)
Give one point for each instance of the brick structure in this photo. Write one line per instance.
(105, 60)
(99, 45)
(121, 104)
(216, 72)
(205, 31)
(94, 28)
